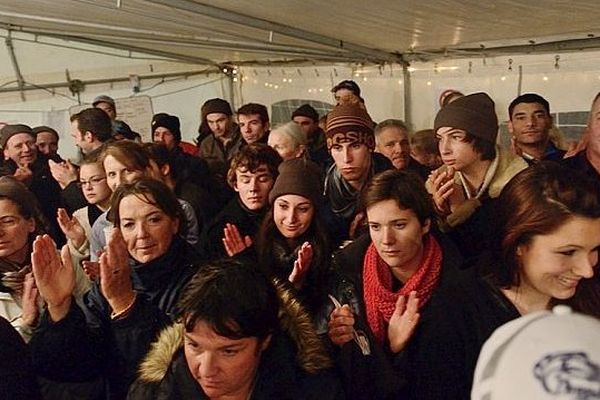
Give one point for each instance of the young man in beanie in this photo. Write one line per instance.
(253, 120)
(474, 170)
(46, 141)
(308, 119)
(351, 143)
(529, 126)
(184, 168)
(23, 162)
(224, 139)
(166, 130)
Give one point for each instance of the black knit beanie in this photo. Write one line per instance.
(171, 122)
(215, 106)
(474, 114)
(306, 110)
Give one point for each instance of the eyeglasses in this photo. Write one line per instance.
(95, 181)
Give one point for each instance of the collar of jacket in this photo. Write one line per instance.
(293, 320)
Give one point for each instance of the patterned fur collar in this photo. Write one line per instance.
(295, 321)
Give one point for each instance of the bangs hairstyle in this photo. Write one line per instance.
(149, 191)
(131, 154)
(405, 188)
(234, 298)
(484, 147)
(250, 157)
(538, 201)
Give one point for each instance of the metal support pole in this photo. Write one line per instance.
(407, 94)
(520, 85)
(13, 59)
(231, 87)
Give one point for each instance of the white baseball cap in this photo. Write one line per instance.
(543, 355)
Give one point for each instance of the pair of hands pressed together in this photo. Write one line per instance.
(234, 244)
(400, 328)
(55, 277)
(443, 189)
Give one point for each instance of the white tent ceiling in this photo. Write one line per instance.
(272, 31)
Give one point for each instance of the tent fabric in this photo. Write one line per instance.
(224, 31)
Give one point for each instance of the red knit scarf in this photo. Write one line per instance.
(380, 300)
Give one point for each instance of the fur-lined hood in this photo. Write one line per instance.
(294, 321)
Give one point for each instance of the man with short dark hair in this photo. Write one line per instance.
(90, 128)
(253, 120)
(529, 125)
(392, 140)
(251, 174)
(308, 119)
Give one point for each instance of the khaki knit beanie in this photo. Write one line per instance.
(9, 131)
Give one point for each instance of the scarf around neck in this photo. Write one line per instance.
(380, 299)
(12, 278)
(343, 198)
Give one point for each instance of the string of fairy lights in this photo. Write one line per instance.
(321, 79)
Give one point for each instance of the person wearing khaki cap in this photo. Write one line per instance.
(106, 104)
(23, 162)
(475, 170)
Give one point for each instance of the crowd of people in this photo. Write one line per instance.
(331, 257)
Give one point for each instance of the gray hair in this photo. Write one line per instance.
(293, 131)
(396, 123)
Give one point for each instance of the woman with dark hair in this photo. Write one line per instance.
(386, 282)
(238, 336)
(144, 267)
(545, 252)
(20, 222)
(127, 162)
(292, 243)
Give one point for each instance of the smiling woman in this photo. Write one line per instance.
(545, 252)
(20, 222)
(141, 273)
(292, 243)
